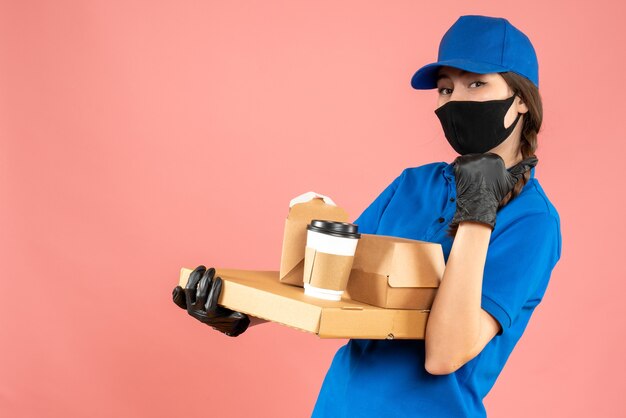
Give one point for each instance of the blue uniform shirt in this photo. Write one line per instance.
(387, 378)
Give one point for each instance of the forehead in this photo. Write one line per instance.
(449, 72)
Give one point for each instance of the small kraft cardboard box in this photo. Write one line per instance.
(395, 272)
(295, 234)
(262, 294)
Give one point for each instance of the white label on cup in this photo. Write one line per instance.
(331, 244)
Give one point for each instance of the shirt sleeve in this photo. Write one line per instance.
(518, 266)
(369, 219)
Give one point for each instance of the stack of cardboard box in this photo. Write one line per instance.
(391, 288)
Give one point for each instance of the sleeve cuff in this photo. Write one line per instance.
(497, 311)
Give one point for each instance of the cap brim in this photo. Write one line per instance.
(426, 77)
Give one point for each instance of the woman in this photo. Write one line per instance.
(496, 272)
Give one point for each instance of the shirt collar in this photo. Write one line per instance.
(448, 172)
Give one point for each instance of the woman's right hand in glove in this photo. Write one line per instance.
(199, 298)
(482, 181)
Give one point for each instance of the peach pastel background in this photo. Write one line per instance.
(137, 137)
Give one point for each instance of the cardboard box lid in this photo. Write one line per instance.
(294, 240)
(405, 262)
(261, 294)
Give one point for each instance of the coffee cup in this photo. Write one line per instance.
(328, 258)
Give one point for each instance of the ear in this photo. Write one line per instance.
(520, 106)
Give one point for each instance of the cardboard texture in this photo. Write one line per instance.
(386, 271)
(326, 271)
(294, 238)
(261, 294)
(394, 272)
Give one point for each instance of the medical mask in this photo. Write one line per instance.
(475, 127)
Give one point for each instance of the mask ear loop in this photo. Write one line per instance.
(510, 128)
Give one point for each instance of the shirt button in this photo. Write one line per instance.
(441, 220)
(451, 199)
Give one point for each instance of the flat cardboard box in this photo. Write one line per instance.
(394, 272)
(295, 233)
(261, 294)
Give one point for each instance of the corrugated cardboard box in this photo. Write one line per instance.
(261, 294)
(394, 272)
(295, 233)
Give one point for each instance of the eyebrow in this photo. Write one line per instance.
(444, 75)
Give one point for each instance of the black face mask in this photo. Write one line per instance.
(475, 127)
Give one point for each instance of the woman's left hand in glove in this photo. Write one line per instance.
(482, 181)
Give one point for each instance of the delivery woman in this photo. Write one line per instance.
(499, 232)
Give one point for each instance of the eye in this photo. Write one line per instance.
(480, 82)
(443, 90)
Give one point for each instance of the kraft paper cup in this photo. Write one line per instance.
(328, 258)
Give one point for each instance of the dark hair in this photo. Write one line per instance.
(529, 93)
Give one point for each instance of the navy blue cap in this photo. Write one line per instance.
(481, 44)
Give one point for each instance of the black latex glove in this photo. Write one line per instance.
(482, 181)
(200, 297)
